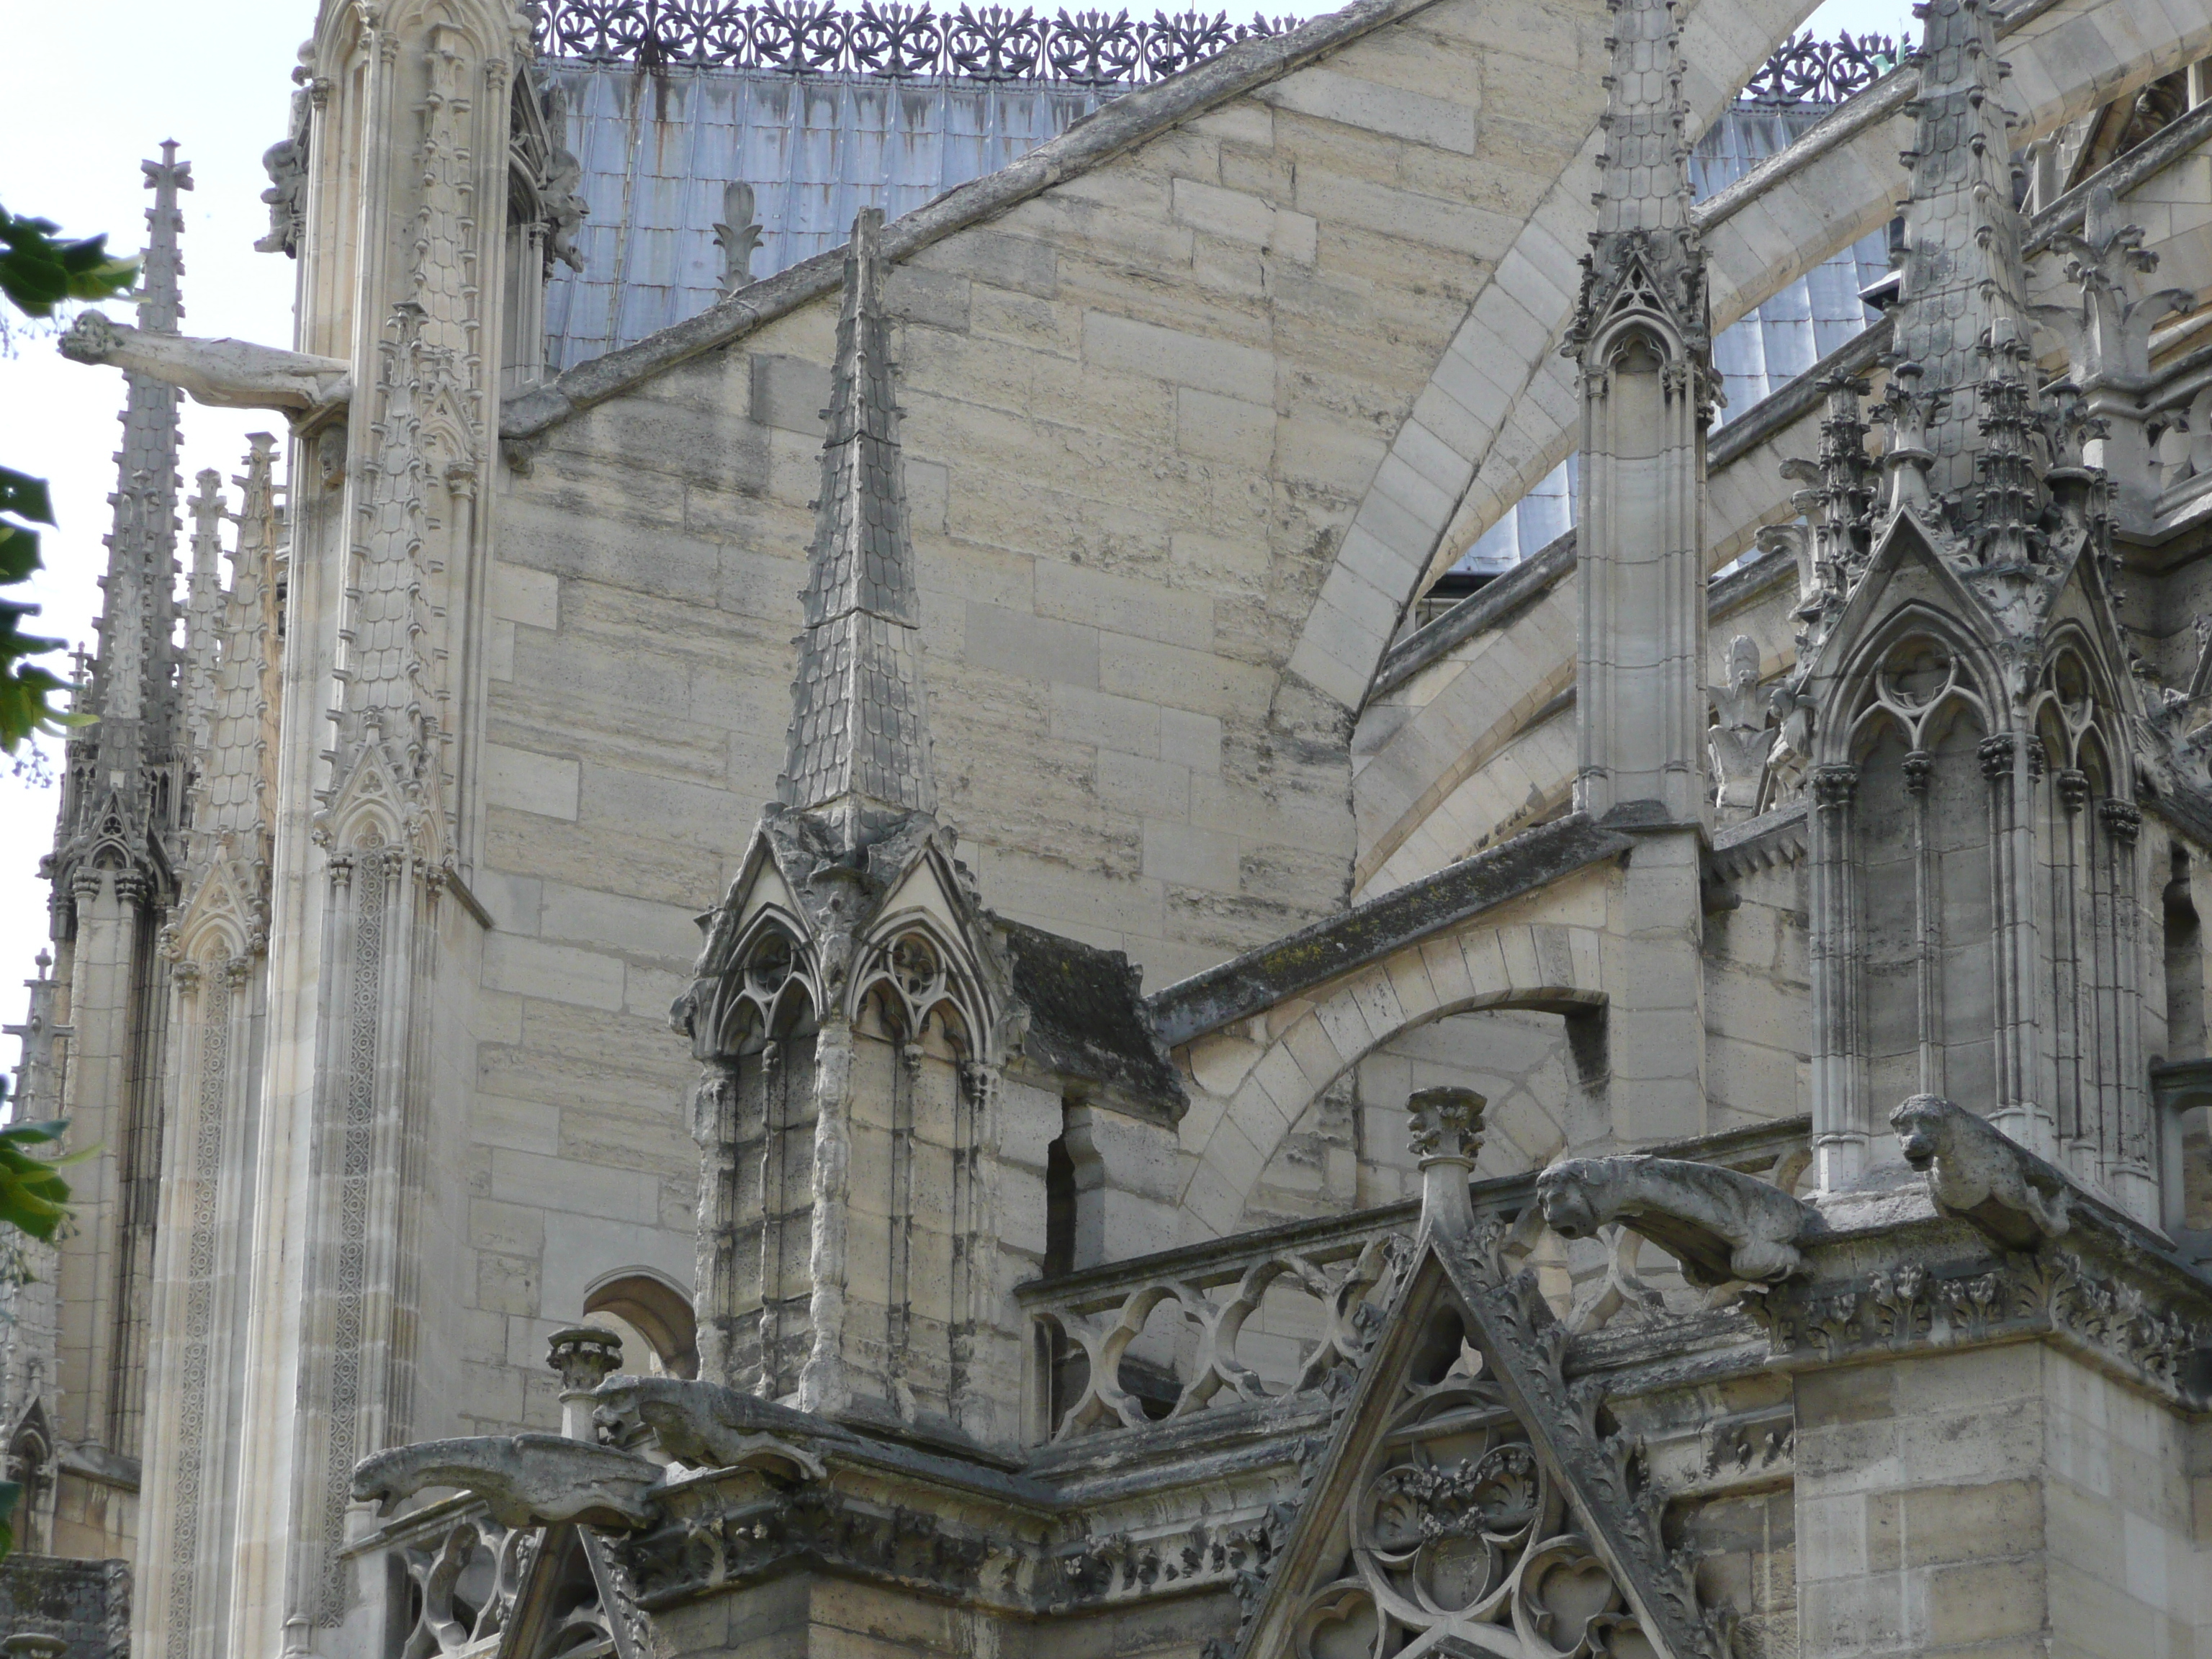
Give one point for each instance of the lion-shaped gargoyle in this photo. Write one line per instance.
(1981, 1175)
(706, 1425)
(1723, 1226)
(525, 1479)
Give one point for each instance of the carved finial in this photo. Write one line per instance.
(738, 236)
(585, 1355)
(1444, 1128)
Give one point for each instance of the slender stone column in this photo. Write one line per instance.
(1840, 1126)
(2013, 764)
(2134, 1179)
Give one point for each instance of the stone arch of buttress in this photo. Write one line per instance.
(1500, 411)
(1252, 1086)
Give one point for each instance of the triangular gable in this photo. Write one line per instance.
(1466, 1503)
(1905, 543)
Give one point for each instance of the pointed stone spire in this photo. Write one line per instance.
(134, 689)
(859, 746)
(1646, 159)
(1963, 310)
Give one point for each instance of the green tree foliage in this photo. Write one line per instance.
(34, 1200)
(38, 273)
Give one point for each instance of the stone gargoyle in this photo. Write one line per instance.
(525, 1479)
(1723, 1227)
(1981, 1175)
(705, 1425)
(224, 373)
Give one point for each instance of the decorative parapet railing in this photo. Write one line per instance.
(986, 43)
(1293, 1310)
(997, 43)
(1265, 1315)
(1805, 71)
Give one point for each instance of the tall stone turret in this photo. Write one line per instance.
(1641, 339)
(116, 850)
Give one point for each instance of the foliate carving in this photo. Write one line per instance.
(583, 1356)
(1908, 1307)
(1808, 70)
(1835, 787)
(695, 1552)
(1722, 1225)
(737, 235)
(1621, 1510)
(989, 43)
(1444, 1123)
(1461, 1530)
(1979, 1173)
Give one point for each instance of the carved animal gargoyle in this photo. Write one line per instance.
(707, 1426)
(223, 373)
(1721, 1226)
(1979, 1174)
(525, 1481)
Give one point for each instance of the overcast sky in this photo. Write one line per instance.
(119, 77)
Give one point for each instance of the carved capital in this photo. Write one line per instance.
(1996, 755)
(585, 1355)
(2122, 820)
(1919, 771)
(1444, 1129)
(186, 976)
(1834, 786)
(1444, 1124)
(2073, 788)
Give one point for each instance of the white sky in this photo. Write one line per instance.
(214, 75)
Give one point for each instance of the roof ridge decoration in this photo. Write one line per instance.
(857, 749)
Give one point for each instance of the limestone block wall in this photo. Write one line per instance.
(2004, 1499)
(1758, 990)
(1140, 410)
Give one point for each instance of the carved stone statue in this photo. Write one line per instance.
(285, 161)
(527, 1480)
(1737, 740)
(1723, 1226)
(1981, 1175)
(224, 373)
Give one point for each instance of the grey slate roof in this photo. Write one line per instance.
(859, 742)
(658, 148)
